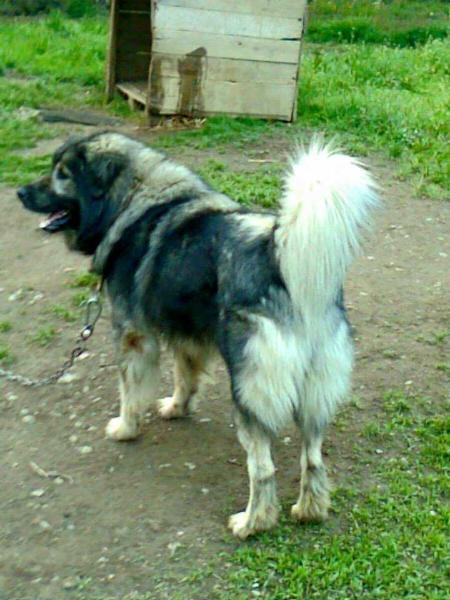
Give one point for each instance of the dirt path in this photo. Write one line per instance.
(137, 517)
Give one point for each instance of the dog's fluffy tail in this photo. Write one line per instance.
(325, 211)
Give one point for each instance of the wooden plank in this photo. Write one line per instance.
(224, 97)
(175, 18)
(134, 92)
(112, 51)
(276, 8)
(226, 46)
(225, 69)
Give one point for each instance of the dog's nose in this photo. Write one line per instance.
(22, 193)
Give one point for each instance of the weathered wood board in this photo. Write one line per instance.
(212, 57)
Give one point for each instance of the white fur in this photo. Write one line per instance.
(301, 369)
(138, 384)
(324, 212)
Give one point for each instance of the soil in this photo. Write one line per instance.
(79, 512)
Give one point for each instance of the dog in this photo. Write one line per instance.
(187, 264)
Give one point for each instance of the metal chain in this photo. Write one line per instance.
(93, 312)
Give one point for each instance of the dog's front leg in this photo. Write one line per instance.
(138, 382)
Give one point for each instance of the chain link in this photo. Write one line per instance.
(93, 312)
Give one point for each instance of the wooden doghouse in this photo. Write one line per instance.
(207, 57)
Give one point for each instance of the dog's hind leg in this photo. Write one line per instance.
(326, 386)
(262, 508)
(190, 361)
(138, 383)
(314, 499)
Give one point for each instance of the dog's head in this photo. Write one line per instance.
(81, 195)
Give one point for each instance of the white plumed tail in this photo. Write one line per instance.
(325, 211)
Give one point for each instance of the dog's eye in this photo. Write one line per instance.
(63, 173)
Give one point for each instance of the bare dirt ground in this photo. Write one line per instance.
(113, 519)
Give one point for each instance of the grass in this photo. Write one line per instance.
(63, 313)
(84, 279)
(401, 23)
(248, 188)
(5, 326)
(51, 61)
(45, 336)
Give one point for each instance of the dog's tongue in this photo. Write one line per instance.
(55, 221)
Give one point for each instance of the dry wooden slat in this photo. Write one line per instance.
(226, 69)
(175, 18)
(225, 46)
(135, 92)
(220, 97)
(111, 67)
(278, 8)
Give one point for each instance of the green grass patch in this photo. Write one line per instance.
(47, 62)
(45, 336)
(394, 101)
(80, 298)
(5, 326)
(84, 280)
(402, 23)
(262, 187)
(63, 313)
(4, 352)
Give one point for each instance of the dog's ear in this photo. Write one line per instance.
(104, 170)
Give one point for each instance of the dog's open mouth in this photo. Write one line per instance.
(56, 221)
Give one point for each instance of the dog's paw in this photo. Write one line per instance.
(244, 524)
(310, 511)
(169, 409)
(239, 524)
(121, 431)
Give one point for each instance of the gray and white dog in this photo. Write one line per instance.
(185, 263)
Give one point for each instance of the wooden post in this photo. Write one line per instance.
(112, 50)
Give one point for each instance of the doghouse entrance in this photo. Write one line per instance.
(206, 57)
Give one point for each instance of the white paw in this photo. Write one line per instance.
(169, 409)
(239, 525)
(119, 430)
(310, 512)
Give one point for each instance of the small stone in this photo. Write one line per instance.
(86, 389)
(38, 493)
(165, 466)
(204, 420)
(190, 466)
(24, 411)
(287, 440)
(378, 451)
(409, 382)
(28, 419)
(12, 397)
(73, 439)
(45, 525)
(205, 491)
(17, 295)
(85, 449)
(173, 547)
(58, 480)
